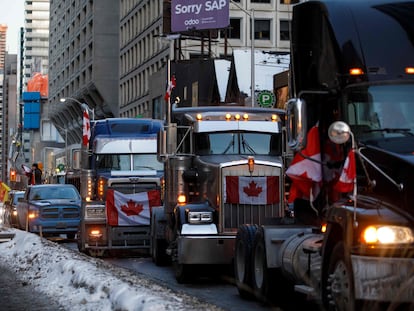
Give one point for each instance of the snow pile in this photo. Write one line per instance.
(79, 282)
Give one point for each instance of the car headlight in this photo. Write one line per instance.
(33, 213)
(385, 234)
(200, 217)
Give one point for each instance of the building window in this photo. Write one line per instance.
(233, 31)
(262, 29)
(284, 30)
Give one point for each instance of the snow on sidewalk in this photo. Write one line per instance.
(80, 282)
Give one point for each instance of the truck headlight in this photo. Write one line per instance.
(385, 234)
(33, 213)
(95, 234)
(200, 217)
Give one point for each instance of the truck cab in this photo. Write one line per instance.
(223, 168)
(121, 180)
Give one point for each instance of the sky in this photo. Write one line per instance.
(12, 14)
(83, 283)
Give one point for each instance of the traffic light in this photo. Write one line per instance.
(12, 175)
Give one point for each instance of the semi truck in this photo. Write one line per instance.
(120, 181)
(221, 164)
(350, 122)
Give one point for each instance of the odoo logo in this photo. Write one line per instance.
(191, 22)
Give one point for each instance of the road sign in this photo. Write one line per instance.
(266, 99)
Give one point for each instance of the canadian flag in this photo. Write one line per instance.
(86, 129)
(170, 87)
(251, 190)
(130, 209)
(305, 169)
(348, 174)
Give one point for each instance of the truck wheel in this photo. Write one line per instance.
(242, 260)
(339, 292)
(159, 255)
(183, 273)
(158, 246)
(263, 277)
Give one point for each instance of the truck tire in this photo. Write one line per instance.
(339, 293)
(158, 245)
(263, 277)
(183, 273)
(242, 260)
(158, 250)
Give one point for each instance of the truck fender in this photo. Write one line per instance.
(274, 238)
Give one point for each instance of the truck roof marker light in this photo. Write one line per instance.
(356, 71)
(250, 163)
(274, 117)
(237, 117)
(228, 116)
(323, 227)
(409, 70)
(245, 117)
(199, 117)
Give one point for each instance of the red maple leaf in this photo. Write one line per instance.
(252, 190)
(132, 208)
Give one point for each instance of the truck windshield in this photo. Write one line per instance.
(128, 162)
(238, 143)
(381, 111)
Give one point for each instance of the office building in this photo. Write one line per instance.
(83, 62)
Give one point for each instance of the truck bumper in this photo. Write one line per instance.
(383, 279)
(114, 238)
(207, 249)
(54, 227)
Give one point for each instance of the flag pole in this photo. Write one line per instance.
(169, 97)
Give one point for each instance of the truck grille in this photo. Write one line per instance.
(264, 207)
(131, 188)
(62, 212)
(238, 214)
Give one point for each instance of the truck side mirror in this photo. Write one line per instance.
(166, 142)
(296, 126)
(162, 145)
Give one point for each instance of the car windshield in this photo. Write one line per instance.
(49, 193)
(381, 111)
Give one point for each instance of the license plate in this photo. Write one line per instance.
(61, 225)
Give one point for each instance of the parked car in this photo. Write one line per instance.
(50, 210)
(10, 211)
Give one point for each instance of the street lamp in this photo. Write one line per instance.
(82, 105)
(251, 14)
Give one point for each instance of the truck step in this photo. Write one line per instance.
(304, 289)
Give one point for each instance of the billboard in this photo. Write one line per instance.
(199, 14)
